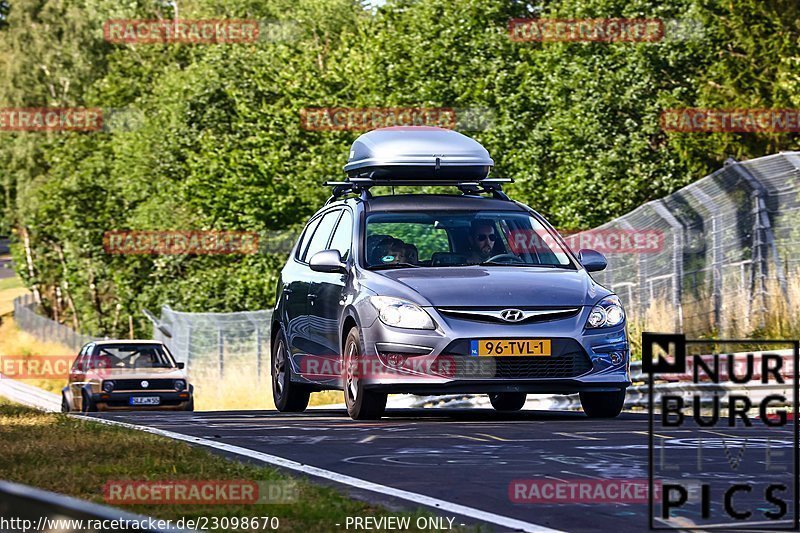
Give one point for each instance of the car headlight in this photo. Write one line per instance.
(108, 386)
(401, 313)
(180, 384)
(607, 312)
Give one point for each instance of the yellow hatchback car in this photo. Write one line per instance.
(126, 375)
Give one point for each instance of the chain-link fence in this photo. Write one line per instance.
(728, 262)
(226, 354)
(44, 329)
(222, 342)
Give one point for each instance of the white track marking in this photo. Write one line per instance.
(484, 516)
(35, 397)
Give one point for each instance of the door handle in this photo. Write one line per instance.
(312, 297)
(287, 290)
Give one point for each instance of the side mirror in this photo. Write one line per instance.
(592, 260)
(328, 261)
(180, 366)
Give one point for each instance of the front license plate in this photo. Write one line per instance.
(512, 347)
(145, 400)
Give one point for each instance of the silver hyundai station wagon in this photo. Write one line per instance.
(468, 292)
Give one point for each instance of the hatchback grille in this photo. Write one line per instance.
(570, 366)
(528, 315)
(136, 384)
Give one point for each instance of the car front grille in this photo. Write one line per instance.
(487, 314)
(136, 384)
(568, 366)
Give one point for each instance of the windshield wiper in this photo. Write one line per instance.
(394, 265)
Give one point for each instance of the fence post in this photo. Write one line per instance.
(716, 254)
(220, 353)
(677, 258)
(763, 243)
(188, 344)
(258, 355)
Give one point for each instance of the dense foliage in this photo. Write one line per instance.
(213, 138)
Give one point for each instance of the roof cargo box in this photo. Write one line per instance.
(418, 153)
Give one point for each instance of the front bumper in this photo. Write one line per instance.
(582, 360)
(120, 401)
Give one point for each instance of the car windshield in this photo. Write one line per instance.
(134, 356)
(436, 239)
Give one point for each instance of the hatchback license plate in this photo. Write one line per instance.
(145, 400)
(511, 347)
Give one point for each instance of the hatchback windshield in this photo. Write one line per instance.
(134, 356)
(420, 239)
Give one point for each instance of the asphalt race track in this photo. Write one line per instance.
(464, 456)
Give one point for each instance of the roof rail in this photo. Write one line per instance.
(362, 185)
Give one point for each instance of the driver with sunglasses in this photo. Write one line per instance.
(481, 240)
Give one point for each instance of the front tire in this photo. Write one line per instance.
(603, 404)
(289, 397)
(65, 408)
(362, 404)
(87, 406)
(508, 401)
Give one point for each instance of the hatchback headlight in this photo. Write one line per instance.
(401, 313)
(108, 386)
(607, 312)
(180, 384)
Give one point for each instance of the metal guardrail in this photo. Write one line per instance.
(47, 511)
(637, 396)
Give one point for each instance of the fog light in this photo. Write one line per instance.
(394, 359)
(615, 357)
(108, 386)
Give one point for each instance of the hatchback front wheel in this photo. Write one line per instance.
(362, 404)
(289, 397)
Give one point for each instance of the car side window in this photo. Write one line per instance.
(81, 364)
(76, 364)
(322, 234)
(343, 236)
(301, 247)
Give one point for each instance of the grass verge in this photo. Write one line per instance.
(240, 388)
(62, 454)
(15, 342)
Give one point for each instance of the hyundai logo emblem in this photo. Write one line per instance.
(512, 315)
(145, 384)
